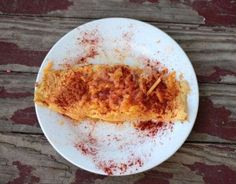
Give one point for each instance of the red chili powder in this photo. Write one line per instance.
(90, 38)
(91, 53)
(149, 128)
(90, 41)
(91, 139)
(151, 63)
(110, 167)
(86, 149)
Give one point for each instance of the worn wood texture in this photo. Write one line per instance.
(24, 42)
(164, 11)
(28, 29)
(30, 159)
(211, 12)
(216, 120)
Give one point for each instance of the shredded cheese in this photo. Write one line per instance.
(154, 86)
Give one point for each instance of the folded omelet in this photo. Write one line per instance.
(113, 93)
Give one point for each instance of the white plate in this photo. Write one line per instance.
(105, 148)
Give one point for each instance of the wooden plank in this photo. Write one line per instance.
(162, 11)
(24, 41)
(216, 119)
(211, 12)
(27, 158)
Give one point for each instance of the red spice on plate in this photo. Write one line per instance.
(91, 147)
(90, 38)
(85, 149)
(151, 63)
(90, 41)
(91, 139)
(111, 166)
(149, 128)
(91, 53)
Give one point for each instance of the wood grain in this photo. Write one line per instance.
(26, 158)
(216, 120)
(28, 29)
(24, 41)
(162, 11)
(211, 12)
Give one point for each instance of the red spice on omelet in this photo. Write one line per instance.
(113, 93)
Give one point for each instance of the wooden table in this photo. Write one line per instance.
(206, 29)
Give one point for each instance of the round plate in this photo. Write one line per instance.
(106, 148)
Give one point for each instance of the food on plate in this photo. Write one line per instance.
(113, 93)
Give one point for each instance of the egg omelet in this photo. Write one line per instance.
(113, 93)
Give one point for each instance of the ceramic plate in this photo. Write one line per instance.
(106, 148)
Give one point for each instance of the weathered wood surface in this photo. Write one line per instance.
(28, 29)
(211, 12)
(216, 121)
(30, 159)
(24, 42)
